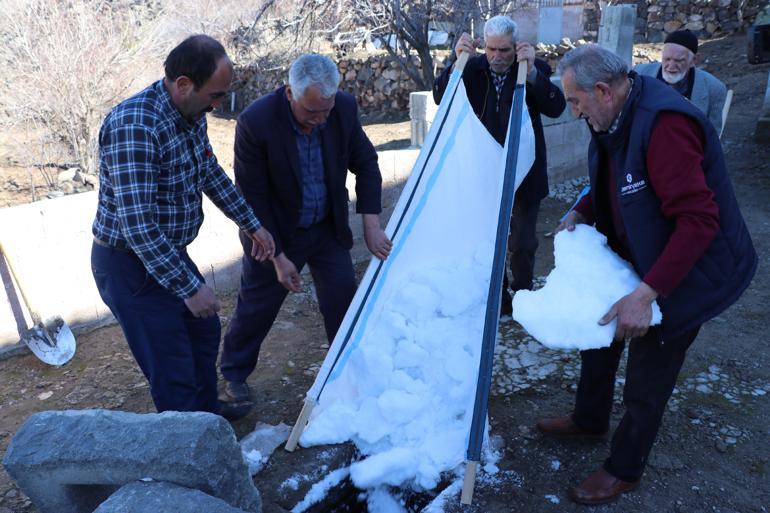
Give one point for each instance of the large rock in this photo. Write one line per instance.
(71, 461)
(140, 497)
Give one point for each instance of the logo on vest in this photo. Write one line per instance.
(633, 186)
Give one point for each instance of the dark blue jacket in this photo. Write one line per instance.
(267, 167)
(727, 266)
(542, 98)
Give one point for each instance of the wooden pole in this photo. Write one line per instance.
(299, 426)
(469, 482)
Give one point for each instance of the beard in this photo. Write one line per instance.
(673, 78)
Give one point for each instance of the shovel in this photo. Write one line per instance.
(52, 341)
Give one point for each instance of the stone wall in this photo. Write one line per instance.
(657, 18)
(377, 82)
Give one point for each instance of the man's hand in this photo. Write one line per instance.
(570, 221)
(376, 240)
(287, 273)
(526, 52)
(633, 311)
(262, 245)
(203, 303)
(466, 44)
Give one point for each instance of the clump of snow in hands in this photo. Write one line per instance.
(588, 278)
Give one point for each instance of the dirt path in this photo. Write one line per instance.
(713, 452)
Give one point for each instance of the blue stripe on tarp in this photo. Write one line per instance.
(407, 230)
(492, 318)
(454, 82)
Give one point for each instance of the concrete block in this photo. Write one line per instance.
(140, 497)
(71, 461)
(616, 30)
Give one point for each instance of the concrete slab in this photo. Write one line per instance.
(141, 497)
(71, 461)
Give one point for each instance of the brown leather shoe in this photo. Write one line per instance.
(600, 487)
(565, 427)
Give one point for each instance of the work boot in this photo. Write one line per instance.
(235, 392)
(235, 411)
(565, 427)
(600, 487)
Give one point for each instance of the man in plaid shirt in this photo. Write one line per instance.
(155, 161)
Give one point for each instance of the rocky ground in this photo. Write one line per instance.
(713, 450)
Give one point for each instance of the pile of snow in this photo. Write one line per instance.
(407, 401)
(588, 278)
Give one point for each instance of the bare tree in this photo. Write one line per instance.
(403, 25)
(65, 64)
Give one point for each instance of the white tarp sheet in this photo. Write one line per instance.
(402, 389)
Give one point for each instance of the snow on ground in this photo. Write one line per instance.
(258, 445)
(587, 279)
(319, 490)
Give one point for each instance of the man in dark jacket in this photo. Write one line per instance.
(489, 81)
(293, 148)
(661, 194)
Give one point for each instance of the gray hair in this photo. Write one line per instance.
(316, 70)
(501, 26)
(591, 64)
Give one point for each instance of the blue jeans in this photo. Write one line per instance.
(176, 351)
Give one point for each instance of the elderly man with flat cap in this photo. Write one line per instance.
(677, 69)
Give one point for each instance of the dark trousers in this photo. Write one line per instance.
(522, 243)
(261, 295)
(176, 351)
(651, 373)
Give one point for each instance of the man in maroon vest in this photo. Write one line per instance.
(661, 194)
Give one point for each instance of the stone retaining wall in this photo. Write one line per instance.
(377, 82)
(657, 18)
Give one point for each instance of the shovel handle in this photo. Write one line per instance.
(15, 276)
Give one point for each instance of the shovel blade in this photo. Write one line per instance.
(53, 342)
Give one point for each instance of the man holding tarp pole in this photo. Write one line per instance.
(661, 194)
(489, 82)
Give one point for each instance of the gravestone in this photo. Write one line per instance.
(616, 30)
(422, 110)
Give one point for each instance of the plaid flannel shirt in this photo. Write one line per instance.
(154, 165)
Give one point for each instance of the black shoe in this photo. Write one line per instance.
(234, 411)
(236, 392)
